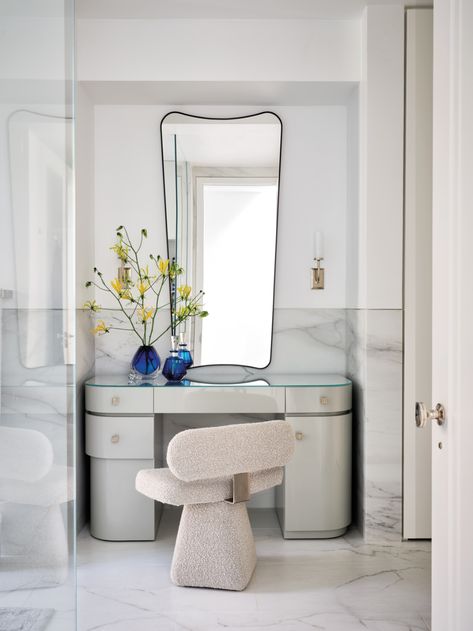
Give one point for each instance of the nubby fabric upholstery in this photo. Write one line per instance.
(215, 545)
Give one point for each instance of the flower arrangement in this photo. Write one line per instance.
(139, 300)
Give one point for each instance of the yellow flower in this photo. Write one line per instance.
(92, 305)
(182, 312)
(121, 251)
(145, 313)
(101, 328)
(163, 265)
(127, 295)
(145, 273)
(184, 291)
(142, 287)
(117, 285)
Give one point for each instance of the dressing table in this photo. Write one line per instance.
(124, 435)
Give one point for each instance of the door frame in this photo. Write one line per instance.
(417, 449)
(452, 337)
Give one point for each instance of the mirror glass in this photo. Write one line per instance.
(221, 179)
(40, 156)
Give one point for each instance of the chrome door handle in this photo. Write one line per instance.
(423, 414)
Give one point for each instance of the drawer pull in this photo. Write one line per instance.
(115, 401)
(323, 400)
(299, 435)
(115, 438)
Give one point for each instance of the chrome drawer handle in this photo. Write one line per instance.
(115, 438)
(299, 435)
(115, 400)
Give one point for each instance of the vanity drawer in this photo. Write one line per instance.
(318, 400)
(119, 437)
(119, 400)
(215, 400)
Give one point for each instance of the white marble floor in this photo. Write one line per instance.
(335, 585)
(60, 599)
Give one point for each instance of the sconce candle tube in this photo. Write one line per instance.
(318, 245)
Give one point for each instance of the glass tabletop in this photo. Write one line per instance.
(199, 379)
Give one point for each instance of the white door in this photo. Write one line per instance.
(452, 384)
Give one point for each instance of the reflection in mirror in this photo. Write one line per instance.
(40, 156)
(221, 181)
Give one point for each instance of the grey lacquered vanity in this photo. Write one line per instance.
(123, 435)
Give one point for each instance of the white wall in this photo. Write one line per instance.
(313, 191)
(128, 182)
(296, 52)
(381, 158)
(218, 50)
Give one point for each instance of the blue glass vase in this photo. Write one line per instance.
(145, 363)
(185, 354)
(174, 367)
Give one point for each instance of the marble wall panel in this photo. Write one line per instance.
(383, 425)
(375, 365)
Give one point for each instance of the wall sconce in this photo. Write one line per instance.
(124, 275)
(318, 272)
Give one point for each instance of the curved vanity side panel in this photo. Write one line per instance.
(104, 400)
(322, 400)
(215, 400)
(117, 511)
(315, 500)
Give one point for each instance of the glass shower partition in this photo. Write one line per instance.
(37, 321)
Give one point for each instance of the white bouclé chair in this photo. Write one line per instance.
(212, 473)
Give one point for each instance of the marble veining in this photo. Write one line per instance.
(309, 340)
(114, 351)
(366, 345)
(337, 585)
(374, 364)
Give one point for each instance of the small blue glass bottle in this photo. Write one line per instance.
(183, 352)
(174, 367)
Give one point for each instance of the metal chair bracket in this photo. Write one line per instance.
(241, 488)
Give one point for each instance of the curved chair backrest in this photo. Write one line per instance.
(212, 452)
(25, 454)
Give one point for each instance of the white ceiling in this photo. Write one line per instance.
(240, 9)
(199, 9)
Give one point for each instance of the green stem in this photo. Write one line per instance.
(118, 328)
(98, 286)
(156, 307)
(123, 310)
(134, 252)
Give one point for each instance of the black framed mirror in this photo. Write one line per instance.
(221, 183)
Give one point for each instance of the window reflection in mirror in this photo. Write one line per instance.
(221, 192)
